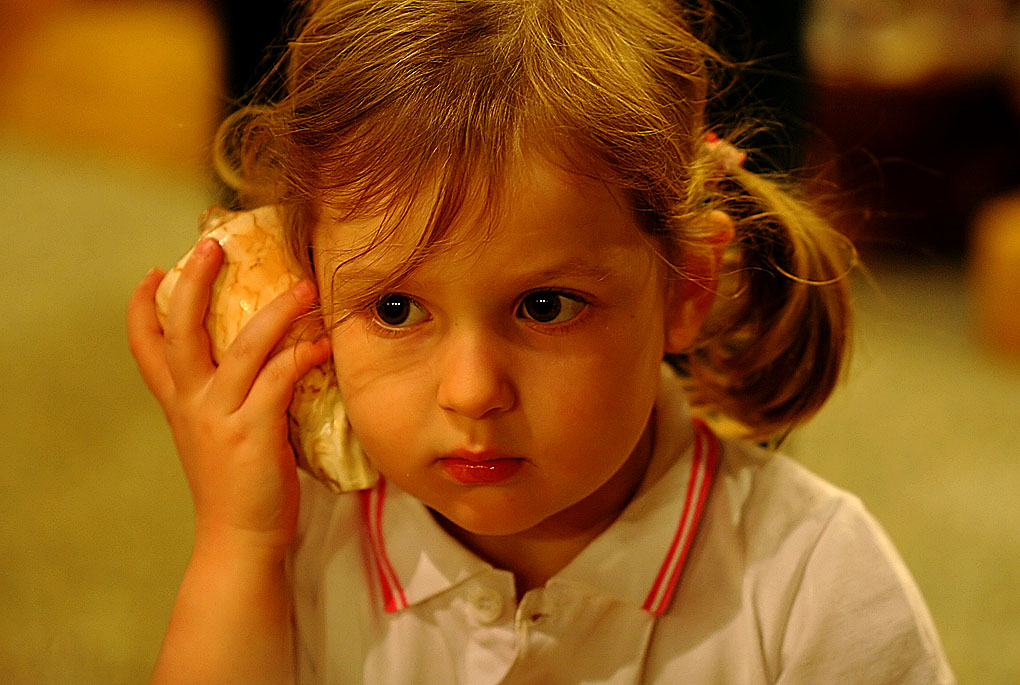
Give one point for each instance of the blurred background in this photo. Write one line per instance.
(901, 116)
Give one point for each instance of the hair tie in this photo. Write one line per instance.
(728, 158)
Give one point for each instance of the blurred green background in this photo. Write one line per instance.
(106, 109)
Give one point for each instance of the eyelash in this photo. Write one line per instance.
(395, 330)
(550, 326)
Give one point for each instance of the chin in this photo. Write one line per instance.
(486, 522)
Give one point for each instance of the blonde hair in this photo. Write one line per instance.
(385, 99)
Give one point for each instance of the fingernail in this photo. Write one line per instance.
(304, 291)
(205, 247)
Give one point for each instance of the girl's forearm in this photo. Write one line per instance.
(231, 621)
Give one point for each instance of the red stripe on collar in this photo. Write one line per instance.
(703, 467)
(371, 514)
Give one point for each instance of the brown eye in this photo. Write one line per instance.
(398, 310)
(550, 306)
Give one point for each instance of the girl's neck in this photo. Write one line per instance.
(537, 554)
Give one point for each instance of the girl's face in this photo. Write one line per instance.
(508, 383)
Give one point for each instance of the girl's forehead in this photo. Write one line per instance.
(541, 209)
(402, 226)
(469, 210)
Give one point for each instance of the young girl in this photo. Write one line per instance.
(536, 267)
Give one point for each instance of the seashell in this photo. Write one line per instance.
(255, 271)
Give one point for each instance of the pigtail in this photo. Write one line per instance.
(774, 346)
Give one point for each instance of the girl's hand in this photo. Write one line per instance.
(229, 422)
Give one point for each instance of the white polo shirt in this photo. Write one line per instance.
(729, 566)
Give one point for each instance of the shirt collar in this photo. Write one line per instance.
(638, 559)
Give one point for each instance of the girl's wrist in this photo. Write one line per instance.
(232, 545)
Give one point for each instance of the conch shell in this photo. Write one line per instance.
(255, 270)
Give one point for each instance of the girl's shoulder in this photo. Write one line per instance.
(830, 593)
(763, 485)
(775, 506)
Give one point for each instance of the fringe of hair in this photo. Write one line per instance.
(442, 89)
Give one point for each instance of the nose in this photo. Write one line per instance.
(474, 375)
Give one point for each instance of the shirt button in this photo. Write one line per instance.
(488, 604)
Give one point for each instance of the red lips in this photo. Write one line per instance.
(480, 468)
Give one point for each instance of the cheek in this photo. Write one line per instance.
(355, 376)
(599, 400)
(632, 351)
(383, 394)
(348, 358)
(617, 386)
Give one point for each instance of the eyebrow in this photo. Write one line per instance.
(585, 270)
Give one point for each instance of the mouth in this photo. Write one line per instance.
(480, 468)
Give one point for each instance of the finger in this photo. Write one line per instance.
(274, 387)
(247, 354)
(187, 342)
(145, 337)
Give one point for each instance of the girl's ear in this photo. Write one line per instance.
(692, 293)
